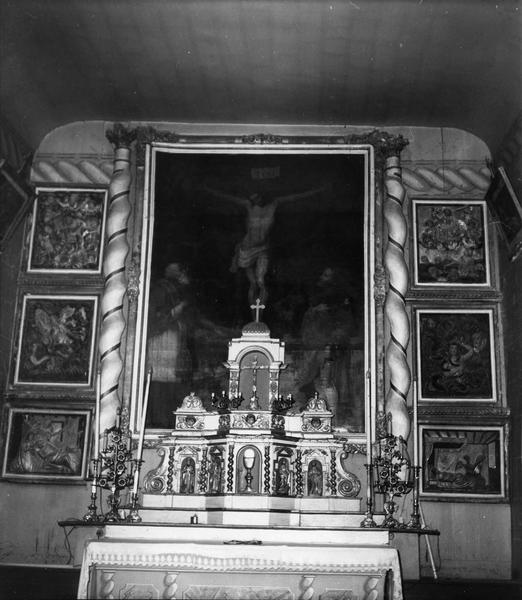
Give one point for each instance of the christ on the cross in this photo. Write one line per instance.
(251, 253)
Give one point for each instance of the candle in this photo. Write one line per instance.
(97, 416)
(368, 432)
(136, 478)
(142, 431)
(415, 427)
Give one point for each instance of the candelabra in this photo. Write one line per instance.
(116, 469)
(223, 403)
(393, 474)
(282, 403)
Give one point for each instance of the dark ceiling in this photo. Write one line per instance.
(357, 62)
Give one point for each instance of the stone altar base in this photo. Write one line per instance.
(203, 562)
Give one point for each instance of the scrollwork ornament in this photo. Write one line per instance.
(350, 486)
(351, 448)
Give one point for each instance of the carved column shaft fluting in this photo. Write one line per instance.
(112, 319)
(394, 305)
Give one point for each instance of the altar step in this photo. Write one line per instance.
(265, 518)
(252, 534)
(266, 511)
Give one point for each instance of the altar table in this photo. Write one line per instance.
(238, 569)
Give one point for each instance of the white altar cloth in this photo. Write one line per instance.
(115, 568)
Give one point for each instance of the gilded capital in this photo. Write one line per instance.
(121, 136)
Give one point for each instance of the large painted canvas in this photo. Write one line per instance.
(285, 228)
(455, 355)
(462, 462)
(56, 340)
(46, 444)
(67, 231)
(450, 243)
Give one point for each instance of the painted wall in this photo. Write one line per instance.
(510, 157)
(437, 163)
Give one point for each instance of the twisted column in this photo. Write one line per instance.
(394, 305)
(112, 319)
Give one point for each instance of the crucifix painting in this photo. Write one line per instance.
(271, 237)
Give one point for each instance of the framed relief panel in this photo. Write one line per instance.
(46, 444)
(56, 340)
(66, 234)
(455, 355)
(462, 462)
(450, 243)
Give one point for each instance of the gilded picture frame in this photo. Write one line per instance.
(66, 232)
(461, 462)
(47, 445)
(56, 340)
(205, 208)
(456, 359)
(450, 243)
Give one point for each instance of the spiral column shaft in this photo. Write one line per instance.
(394, 305)
(112, 319)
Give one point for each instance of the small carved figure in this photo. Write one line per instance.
(315, 479)
(188, 471)
(215, 474)
(283, 477)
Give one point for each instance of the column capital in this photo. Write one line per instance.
(121, 136)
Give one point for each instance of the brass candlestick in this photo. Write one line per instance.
(415, 521)
(368, 519)
(91, 516)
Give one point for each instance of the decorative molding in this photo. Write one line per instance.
(316, 424)
(443, 295)
(63, 282)
(263, 138)
(379, 285)
(210, 592)
(72, 170)
(133, 278)
(351, 448)
(459, 178)
(200, 561)
(149, 135)
(452, 413)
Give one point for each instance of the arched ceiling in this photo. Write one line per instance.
(451, 63)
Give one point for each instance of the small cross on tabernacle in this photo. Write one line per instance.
(258, 307)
